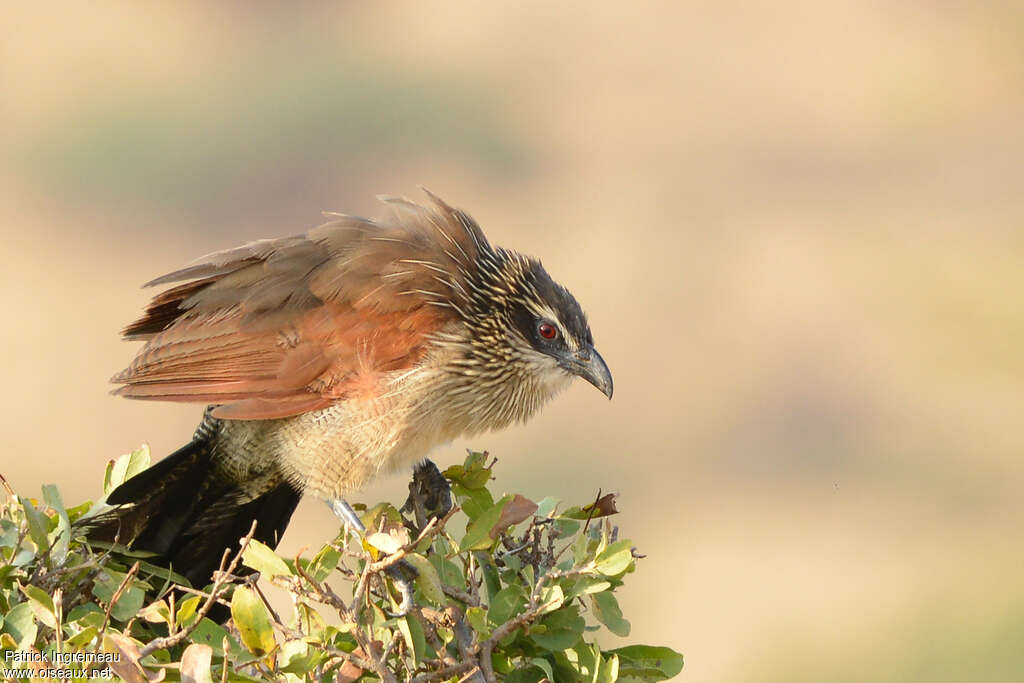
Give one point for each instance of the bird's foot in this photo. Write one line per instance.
(401, 573)
(429, 494)
(404, 576)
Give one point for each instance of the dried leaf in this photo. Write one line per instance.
(387, 543)
(128, 666)
(195, 664)
(516, 510)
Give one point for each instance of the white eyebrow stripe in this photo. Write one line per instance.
(548, 314)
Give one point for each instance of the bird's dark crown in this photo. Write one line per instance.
(517, 292)
(538, 294)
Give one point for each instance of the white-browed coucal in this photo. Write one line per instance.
(329, 357)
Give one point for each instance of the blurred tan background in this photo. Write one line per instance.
(797, 227)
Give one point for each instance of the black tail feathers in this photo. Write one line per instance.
(187, 512)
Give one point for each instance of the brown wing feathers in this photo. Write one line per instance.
(280, 327)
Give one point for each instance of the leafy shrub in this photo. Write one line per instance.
(518, 596)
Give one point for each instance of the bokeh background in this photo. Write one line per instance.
(797, 227)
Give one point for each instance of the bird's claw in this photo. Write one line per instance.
(401, 573)
(429, 494)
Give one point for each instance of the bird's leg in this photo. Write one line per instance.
(343, 511)
(402, 573)
(429, 494)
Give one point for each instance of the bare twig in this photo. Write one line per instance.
(460, 595)
(448, 671)
(58, 609)
(266, 603)
(202, 594)
(117, 596)
(7, 486)
(593, 509)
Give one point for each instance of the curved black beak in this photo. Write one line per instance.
(589, 365)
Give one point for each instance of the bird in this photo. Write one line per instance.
(331, 357)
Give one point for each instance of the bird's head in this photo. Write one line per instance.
(521, 336)
(527, 331)
(548, 329)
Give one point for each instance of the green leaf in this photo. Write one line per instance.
(213, 634)
(61, 536)
(300, 657)
(546, 506)
(545, 666)
(264, 560)
(478, 533)
(472, 474)
(85, 615)
(515, 565)
(156, 612)
(562, 629)
(585, 585)
(419, 639)
(146, 569)
(125, 467)
(186, 611)
(553, 597)
(529, 674)
(565, 527)
(428, 581)
(130, 600)
(477, 618)
(38, 525)
(609, 672)
(42, 605)
(78, 510)
(7, 572)
(82, 638)
(616, 558)
(648, 662)
(20, 625)
(446, 634)
(501, 662)
(606, 609)
(473, 501)
(412, 631)
(490, 573)
(8, 533)
(382, 516)
(580, 549)
(588, 659)
(252, 621)
(507, 603)
(448, 572)
(323, 563)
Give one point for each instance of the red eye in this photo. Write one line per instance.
(547, 330)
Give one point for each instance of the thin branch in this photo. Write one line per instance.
(593, 509)
(202, 594)
(447, 672)
(117, 596)
(460, 595)
(7, 486)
